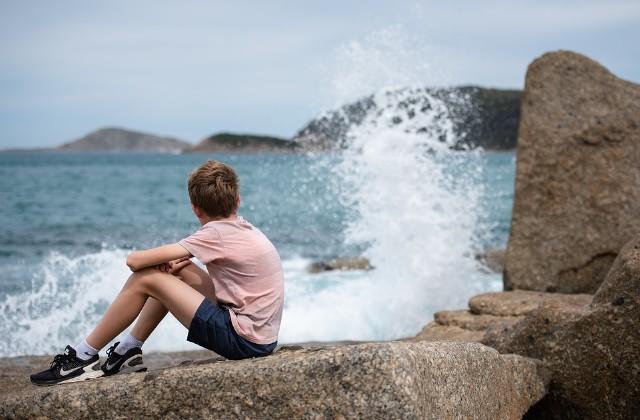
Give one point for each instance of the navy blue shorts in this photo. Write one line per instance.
(211, 328)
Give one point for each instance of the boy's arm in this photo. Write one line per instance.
(138, 260)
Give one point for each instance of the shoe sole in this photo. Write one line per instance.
(131, 365)
(91, 371)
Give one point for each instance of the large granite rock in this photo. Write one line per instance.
(592, 350)
(15, 371)
(378, 380)
(577, 193)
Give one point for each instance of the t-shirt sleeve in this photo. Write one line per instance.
(205, 244)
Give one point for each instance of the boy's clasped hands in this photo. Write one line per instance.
(174, 266)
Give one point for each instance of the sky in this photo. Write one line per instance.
(188, 69)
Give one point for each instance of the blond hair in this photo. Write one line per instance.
(213, 187)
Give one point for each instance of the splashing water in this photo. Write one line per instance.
(68, 301)
(415, 211)
(415, 203)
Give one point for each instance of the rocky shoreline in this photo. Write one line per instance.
(371, 380)
(527, 352)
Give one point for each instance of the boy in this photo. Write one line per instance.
(234, 309)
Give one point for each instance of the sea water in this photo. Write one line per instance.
(68, 221)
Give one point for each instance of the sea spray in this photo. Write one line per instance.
(67, 299)
(414, 202)
(415, 214)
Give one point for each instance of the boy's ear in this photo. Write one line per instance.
(196, 211)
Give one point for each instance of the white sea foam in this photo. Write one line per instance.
(70, 294)
(68, 297)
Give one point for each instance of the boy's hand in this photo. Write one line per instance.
(173, 267)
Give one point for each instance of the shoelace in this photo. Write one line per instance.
(61, 360)
(112, 349)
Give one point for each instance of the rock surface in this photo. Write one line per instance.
(493, 313)
(378, 380)
(119, 139)
(15, 371)
(592, 350)
(577, 193)
(470, 321)
(434, 331)
(521, 302)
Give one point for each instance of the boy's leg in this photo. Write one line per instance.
(153, 311)
(175, 295)
(181, 299)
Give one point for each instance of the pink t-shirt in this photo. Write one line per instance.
(247, 275)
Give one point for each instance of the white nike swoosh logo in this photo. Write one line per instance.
(67, 372)
(109, 367)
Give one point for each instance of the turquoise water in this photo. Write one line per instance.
(67, 221)
(80, 203)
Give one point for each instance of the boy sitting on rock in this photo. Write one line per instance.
(234, 309)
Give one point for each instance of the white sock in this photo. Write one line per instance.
(84, 351)
(127, 343)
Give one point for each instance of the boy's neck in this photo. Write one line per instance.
(206, 219)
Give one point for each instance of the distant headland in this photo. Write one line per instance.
(228, 142)
(122, 140)
(115, 139)
(481, 117)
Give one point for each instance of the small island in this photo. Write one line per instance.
(113, 139)
(228, 142)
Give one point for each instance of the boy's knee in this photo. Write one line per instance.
(143, 273)
(144, 277)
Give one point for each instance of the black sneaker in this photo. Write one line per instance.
(67, 367)
(131, 361)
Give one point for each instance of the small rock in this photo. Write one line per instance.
(341, 263)
(469, 321)
(521, 302)
(437, 332)
(493, 259)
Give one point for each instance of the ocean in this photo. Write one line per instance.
(68, 220)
